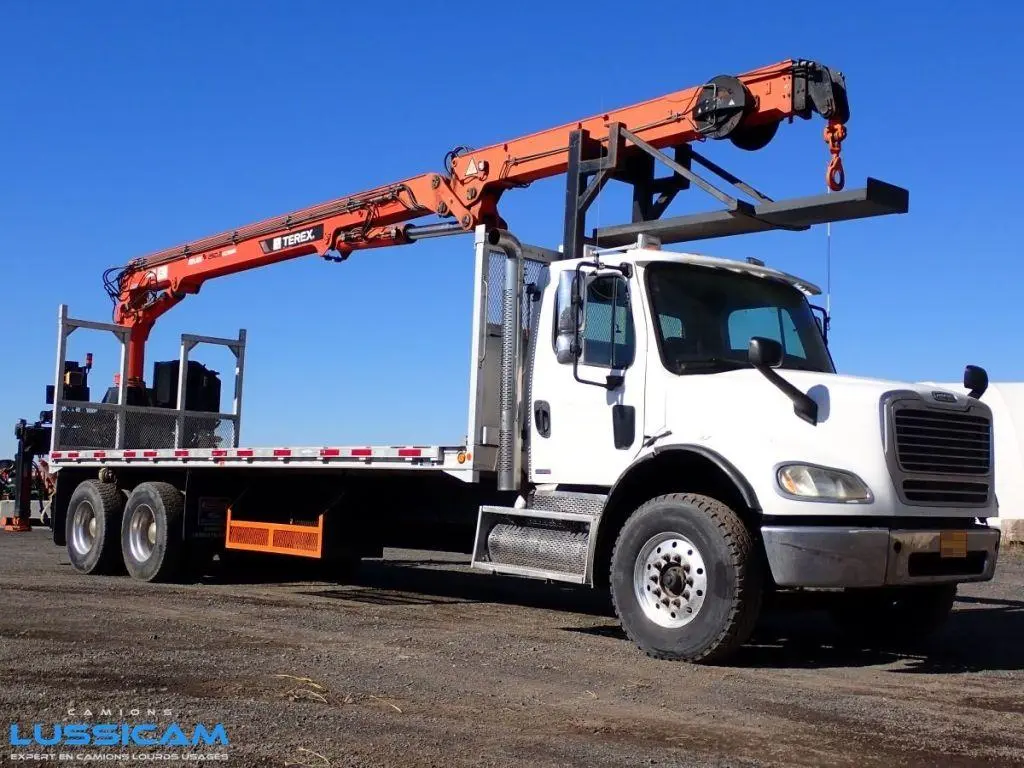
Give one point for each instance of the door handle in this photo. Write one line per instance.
(542, 417)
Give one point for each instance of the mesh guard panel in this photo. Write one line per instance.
(276, 538)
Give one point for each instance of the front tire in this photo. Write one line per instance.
(152, 541)
(92, 528)
(685, 579)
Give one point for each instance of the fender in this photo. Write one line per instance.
(745, 489)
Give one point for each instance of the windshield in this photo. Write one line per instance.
(705, 318)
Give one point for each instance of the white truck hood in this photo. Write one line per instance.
(753, 424)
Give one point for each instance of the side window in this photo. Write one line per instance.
(671, 327)
(608, 333)
(768, 322)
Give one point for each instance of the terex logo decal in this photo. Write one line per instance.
(292, 239)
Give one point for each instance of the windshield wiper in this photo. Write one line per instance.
(725, 363)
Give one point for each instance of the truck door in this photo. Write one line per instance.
(586, 403)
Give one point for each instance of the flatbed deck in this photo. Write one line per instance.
(349, 456)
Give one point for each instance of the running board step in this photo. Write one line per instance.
(535, 543)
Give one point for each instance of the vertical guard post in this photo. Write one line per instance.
(509, 435)
(58, 378)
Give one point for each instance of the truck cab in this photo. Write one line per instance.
(694, 402)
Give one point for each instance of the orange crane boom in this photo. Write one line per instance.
(747, 109)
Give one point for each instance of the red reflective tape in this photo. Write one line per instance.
(99, 454)
(149, 454)
(218, 452)
(282, 451)
(330, 452)
(409, 452)
(56, 455)
(362, 452)
(181, 452)
(72, 454)
(129, 454)
(244, 452)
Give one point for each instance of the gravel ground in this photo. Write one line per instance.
(425, 663)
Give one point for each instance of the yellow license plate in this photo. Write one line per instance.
(953, 544)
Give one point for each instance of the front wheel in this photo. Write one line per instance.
(685, 579)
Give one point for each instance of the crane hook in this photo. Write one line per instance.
(835, 175)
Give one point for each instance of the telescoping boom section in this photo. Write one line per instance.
(746, 109)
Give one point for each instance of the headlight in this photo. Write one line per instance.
(807, 481)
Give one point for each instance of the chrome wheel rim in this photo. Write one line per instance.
(142, 533)
(84, 527)
(670, 580)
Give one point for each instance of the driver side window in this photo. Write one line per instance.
(608, 334)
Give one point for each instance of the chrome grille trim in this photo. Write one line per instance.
(939, 454)
(930, 441)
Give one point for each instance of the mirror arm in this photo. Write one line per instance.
(803, 405)
(826, 321)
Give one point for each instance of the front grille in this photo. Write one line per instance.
(952, 492)
(938, 442)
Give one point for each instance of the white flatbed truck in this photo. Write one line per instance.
(667, 426)
(689, 484)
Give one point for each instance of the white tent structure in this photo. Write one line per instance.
(1006, 399)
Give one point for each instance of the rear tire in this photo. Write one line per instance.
(893, 615)
(93, 527)
(151, 532)
(686, 579)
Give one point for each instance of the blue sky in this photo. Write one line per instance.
(128, 127)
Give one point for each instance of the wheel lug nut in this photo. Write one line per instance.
(689, 582)
(676, 602)
(686, 567)
(657, 592)
(686, 595)
(664, 601)
(654, 579)
(677, 558)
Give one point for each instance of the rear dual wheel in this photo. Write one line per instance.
(93, 527)
(107, 533)
(151, 532)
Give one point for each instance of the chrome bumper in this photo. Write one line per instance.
(829, 556)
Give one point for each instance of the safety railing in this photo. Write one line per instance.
(117, 425)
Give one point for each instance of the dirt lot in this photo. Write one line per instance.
(425, 663)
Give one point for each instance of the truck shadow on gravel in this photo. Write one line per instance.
(409, 581)
(983, 634)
